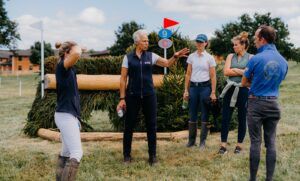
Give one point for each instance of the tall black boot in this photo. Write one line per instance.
(192, 134)
(203, 135)
(61, 162)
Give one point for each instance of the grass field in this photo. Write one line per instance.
(24, 158)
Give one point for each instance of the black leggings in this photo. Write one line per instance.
(227, 113)
(149, 109)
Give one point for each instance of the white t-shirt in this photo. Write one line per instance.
(154, 60)
(200, 66)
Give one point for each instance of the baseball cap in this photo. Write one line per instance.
(201, 38)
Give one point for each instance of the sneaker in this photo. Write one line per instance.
(222, 150)
(190, 144)
(202, 146)
(127, 160)
(237, 150)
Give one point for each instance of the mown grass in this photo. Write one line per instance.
(23, 158)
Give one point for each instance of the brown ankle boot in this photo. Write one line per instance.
(61, 162)
(70, 170)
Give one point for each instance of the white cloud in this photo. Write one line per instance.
(294, 27)
(223, 11)
(213, 9)
(66, 27)
(92, 15)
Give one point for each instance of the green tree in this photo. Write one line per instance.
(296, 54)
(36, 52)
(221, 43)
(8, 29)
(124, 37)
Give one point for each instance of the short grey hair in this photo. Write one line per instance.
(137, 35)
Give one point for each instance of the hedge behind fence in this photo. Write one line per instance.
(170, 116)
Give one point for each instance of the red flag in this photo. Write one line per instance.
(169, 22)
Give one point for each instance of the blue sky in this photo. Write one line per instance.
(92, 22)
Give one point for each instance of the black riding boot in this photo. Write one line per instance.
(192, 134)
(203, 135)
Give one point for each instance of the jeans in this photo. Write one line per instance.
(198, 99)
(149, 109)
(227, 113)
(266, 114)
(69, 127)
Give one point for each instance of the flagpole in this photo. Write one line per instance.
(165, 56)
(40, 26)
(42, 63)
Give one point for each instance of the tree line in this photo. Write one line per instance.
(220, 44)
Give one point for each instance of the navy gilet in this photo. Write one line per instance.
(68, 100)
(140, 74)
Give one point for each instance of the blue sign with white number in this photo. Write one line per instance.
(165, 33)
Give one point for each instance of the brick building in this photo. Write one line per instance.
(16, 62)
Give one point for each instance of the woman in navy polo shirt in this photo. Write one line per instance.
(140, 93)
(200, 88)
(67, 112)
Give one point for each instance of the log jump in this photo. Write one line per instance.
(97, 82)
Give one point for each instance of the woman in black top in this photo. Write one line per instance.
(67, 114)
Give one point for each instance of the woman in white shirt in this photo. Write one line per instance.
(200, 88)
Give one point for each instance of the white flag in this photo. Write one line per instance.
(38, 25)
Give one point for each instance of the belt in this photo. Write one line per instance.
(262, 97)
(200, 84)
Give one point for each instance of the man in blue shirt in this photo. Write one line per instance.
(263, 74)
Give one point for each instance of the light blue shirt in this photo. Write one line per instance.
(266, 70)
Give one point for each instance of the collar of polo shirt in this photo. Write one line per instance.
(201, 54)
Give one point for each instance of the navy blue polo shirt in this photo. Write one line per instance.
(68, 100)
(140, 73)
(266, 70)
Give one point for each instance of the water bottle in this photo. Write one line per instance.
(185, 104)
(120, 113)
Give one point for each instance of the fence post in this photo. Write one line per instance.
(20, 88)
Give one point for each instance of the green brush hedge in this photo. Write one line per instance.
(170, 115)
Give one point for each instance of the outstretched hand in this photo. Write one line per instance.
(182, 53)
